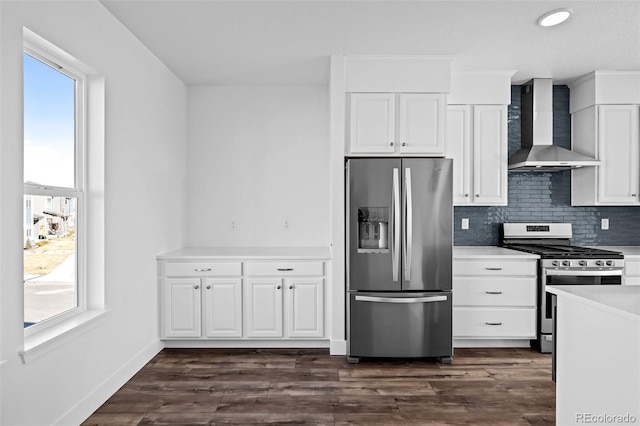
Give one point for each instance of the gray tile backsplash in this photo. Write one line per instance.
(546, 197)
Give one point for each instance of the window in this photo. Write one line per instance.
(54, 284)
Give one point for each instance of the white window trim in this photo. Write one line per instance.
(53, 332)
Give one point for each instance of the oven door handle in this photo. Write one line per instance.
(584, 273)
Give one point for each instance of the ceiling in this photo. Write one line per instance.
(278, 42)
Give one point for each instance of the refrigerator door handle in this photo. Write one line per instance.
(408, 227)
(426, 299)
(395, 227)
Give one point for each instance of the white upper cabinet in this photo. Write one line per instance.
(605, 124)
(372, 123)
(405, 123)
(421, 117)
(477, 141)
(395, 105)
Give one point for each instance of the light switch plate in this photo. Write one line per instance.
(465, 223)
(604, 224)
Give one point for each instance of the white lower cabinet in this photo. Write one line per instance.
(181, 307)
(201, 307)
(494, 299)
(273, 303)
(632, 271)
(241, 300)
(222, 312)
(263, 300)
(305, 307)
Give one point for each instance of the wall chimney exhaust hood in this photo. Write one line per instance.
(538, 154)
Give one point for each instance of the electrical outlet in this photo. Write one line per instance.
(465, 223)
(604, 224)
(233, 225)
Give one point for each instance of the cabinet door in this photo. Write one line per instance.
(422, 124)
(490, 154)
(372, 123)
(619, 150)
(181, 308)
(459, 148)
(305, 307)
(263, 307)
(222, 307)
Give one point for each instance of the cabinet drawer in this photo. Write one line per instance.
(494, 323)
(632, 281)
(632, 267)
(202, 269)
(494, 291)
(495, 267)
(284, 268)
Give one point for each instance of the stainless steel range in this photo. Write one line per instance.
(560, 264)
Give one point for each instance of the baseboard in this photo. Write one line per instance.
(338, 347)
(491, 343)
(245, 343)
(84, 408)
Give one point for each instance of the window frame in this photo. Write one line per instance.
(59, 64)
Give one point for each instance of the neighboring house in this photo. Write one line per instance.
(46, 217)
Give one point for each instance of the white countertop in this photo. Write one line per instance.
(618, 299)
(628, 251)
(469, 252)
(213, 253)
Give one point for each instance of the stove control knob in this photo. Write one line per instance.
(610, 263)
(566, 263)
(582, 263)
(599, 263)
(555, 263)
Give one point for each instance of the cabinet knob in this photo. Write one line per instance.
(466, 195)
(279, 287)
(477, 195)
(290, 287)
(196, 286)
(390, 143)
(209, 287)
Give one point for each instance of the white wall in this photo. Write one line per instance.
(260, 156)
(145, 198)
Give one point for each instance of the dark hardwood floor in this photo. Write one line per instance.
(302, 386)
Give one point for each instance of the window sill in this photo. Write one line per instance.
(46, 340)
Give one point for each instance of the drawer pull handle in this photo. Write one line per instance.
(493, 292)
(493, 323)
(285, 269)
(493, 269)
(202, 269)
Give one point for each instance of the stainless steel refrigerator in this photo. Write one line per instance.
(399, 258)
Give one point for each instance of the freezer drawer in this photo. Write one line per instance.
(401, 325)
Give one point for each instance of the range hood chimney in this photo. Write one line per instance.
(538, 154)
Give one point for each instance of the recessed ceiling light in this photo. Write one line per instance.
(554, 17)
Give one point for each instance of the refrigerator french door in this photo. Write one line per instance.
(399, 257)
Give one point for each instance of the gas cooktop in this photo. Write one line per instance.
(564, 251)
(550, 241)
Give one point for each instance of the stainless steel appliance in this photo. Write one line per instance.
(399, 258)
(538, 153)
(560, 264)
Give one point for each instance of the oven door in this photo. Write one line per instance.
(571, 277)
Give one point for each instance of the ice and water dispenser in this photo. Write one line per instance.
(373, 229)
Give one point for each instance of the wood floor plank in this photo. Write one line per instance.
(483, 386)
